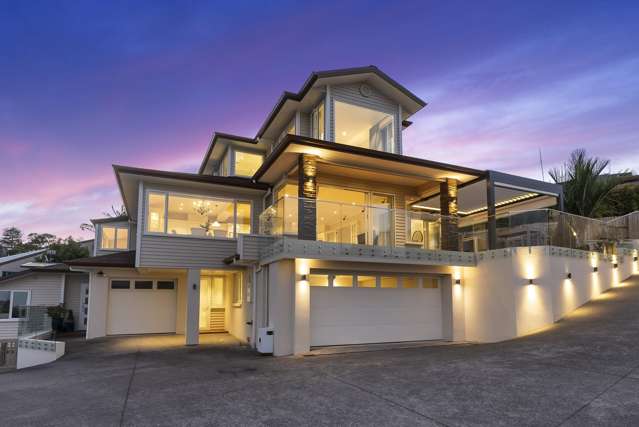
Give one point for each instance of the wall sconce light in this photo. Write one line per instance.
(569, 276)
(458, 281)
(615, 265)
(530, 281)
(595, 269)
(635, 258)
(305, 277)
(100, 273)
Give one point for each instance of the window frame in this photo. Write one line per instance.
(132, 281)
(233, 153)
(115, 236)
(316, 123)
(167, 194)
(11, 292)
(393, 125)
(237, 284)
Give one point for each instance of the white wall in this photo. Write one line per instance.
(237, 316)
(72, 296)
(500, 303)
(280, 288)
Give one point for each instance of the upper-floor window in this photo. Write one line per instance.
(364, 127)
(114, 237)
(246, 164)
(317, 122)
(290, 130)
(187, 215)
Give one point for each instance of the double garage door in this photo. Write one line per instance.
(141, 306)
(375, 310)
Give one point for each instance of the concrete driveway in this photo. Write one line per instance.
(583, 371)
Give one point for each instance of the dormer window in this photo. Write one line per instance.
(364, 127)
(240, 163)
(114, 237)
(317, 122)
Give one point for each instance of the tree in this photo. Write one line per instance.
(12, 240)
(66, 249)
(585, 186)
(39, 240)
(620, 201)
(114, 213)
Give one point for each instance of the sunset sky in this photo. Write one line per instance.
(84, 85)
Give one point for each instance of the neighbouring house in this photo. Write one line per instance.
(321, 229)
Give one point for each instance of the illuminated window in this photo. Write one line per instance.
(364, 127)
(197, 216)
(246, 164)
(114, 237)
(366, 281)
(243, 224)
(318, 280)
(156, 213)
(225, 167)
(343, 281)
(317, 122)
(388, 282)
(410, 282)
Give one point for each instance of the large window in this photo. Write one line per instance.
(185, 215)
(317, 122)
(364, 127)
(13, 304)
(246, 164)
(114, 237)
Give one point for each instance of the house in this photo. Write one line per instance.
(27, 282)
(320, 228)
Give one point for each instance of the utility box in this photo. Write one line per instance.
(265, 340)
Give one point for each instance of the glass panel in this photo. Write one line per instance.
(156, 214)
(366, 281)
(205, 302)
(388, 281)
(5, 303)
(246, 164)
(430, 282)
(19, 309)
(225, 167)
(120, 284)
(200, 217)
(108, 238)
(382, 219)
(243, 225)
(237, 288)
(317, 122)
(166, 284)
(217, 292)
(318, 279)
(417, 232)
(363, 127)
(122, 238)
(144, 284)
(410, 282)
(288, 190)
(343, 281)
(341, 215)
(434, 232)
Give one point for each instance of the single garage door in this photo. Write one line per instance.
(141, 306)
(356, 309)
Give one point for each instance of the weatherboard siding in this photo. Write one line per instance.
(46, 288)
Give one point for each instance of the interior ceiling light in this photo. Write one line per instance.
(497, 205)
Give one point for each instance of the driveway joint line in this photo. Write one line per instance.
(128, 389)
(392, 402)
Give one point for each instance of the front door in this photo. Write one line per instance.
(212, 313)
(84, 307)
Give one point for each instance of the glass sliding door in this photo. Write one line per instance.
(381, 219)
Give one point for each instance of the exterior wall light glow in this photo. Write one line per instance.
(569, 276)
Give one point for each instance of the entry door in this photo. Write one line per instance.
(212, 313)
(84, 307)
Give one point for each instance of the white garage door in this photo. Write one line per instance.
(141, 307)
(354, 315)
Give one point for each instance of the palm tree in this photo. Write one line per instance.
(585, 185)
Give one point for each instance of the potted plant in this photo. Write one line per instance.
(57, 314)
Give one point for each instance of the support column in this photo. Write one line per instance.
(97, 310)
(193, 307)
(307, 186)
(491, 212)
(448, 206)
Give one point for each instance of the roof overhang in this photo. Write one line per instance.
(286, 156)
(129, 179)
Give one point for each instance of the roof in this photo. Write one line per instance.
(106, 220)
(116, 260)
(50, 268)
(216, 137)
(16, 257)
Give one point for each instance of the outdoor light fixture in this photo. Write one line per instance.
(635, 258)
(530, 281)
(305, 277)
(458, 281)
(595, 269)
(615, 265)
(569, 276)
